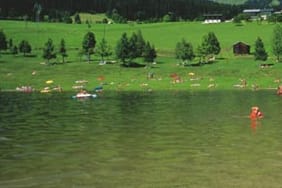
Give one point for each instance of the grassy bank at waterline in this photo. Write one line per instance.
(226, 72)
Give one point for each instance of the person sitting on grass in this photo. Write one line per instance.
(279, 90)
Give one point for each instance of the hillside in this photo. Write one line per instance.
(233, 2)
(141, 10)
(253, 3)
(226, 70)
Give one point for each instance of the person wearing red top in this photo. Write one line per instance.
(256, 113)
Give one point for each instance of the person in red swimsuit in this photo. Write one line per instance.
(256, 113)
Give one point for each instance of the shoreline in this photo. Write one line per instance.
(148, 91)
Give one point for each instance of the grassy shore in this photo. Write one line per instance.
(225, 73)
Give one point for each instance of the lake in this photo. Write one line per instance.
(141, 140)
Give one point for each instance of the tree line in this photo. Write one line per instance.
(129, 48)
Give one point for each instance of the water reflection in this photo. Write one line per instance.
(255, 124)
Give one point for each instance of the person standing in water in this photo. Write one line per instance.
(256, 113)
(254, 116)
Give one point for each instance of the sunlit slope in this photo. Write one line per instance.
(235, 2)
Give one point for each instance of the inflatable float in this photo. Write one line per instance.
(84, 95)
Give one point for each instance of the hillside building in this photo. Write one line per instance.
(212, 18)
(258, 13)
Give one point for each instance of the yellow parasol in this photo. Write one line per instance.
(49, 81)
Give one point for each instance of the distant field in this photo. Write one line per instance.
(163, 35)
(224, 73)
(235, 2)
(92, 18)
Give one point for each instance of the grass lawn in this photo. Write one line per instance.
(224, 73)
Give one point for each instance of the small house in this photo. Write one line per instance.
(241, 48)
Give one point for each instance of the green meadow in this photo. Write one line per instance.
(225, 73)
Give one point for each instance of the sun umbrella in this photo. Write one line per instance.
(49, 81)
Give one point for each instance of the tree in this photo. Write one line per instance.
(184, 51)
(103, 49)
(210, 46)
(14, 50)
(63, 50)
(122, 48)
(214, 46)
(116, 17)
(149, 53)
(24, 47)
(3, 41)
(136, 45)
(10, 44)
(67, 18)
(260, 53)
(237, 20)
(277, 41)
(88, 44)
(201, 50)
(140, 43)
(132, 47)
(48, 50)
(77, 19)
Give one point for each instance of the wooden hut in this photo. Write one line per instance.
(241, 48)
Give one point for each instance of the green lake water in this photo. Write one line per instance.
(141, 140)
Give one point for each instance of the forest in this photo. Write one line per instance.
(130, 9)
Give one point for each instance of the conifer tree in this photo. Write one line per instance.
(260, 53)
(210, 46)
(122, 48)
(14, 50)
(25, 47)
(49, 51)
(149, 53)
(63, 50)
(184, 51)
(3, 41)
(277, 41)
(88, 44)
(103, 49)
(140, 43)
